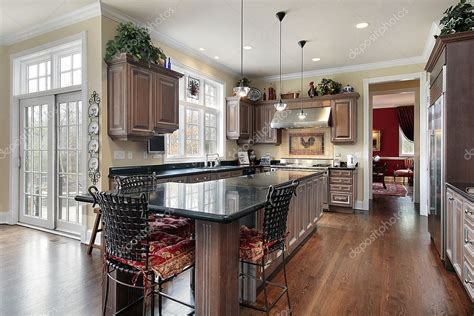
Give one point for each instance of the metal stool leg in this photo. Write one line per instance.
(264, 279)
(160, 298)
(106, 292)
(286, 281)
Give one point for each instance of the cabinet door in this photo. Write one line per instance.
(117, 76)
(458, 234)
(140, 110)
(166, 104)
(344, 121)
(233, 121)
(449, 224)
(246, 120)
(259, 132)
(273, 134)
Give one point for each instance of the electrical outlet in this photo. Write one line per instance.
(119, 155)
(130, 155)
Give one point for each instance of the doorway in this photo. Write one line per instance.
(393, 140)
(51, 161)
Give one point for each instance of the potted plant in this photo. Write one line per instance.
(135, 41)
(458, 18)
(328, 86)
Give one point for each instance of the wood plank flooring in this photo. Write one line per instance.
(397, 273)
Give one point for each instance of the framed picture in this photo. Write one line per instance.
(376, 140)
(306, 144)
(193, 88)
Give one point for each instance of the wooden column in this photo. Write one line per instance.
(217, 268)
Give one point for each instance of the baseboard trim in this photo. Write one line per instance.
(359, 205)
(5, 218)
(54, 232)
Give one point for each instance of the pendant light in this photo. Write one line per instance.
(302, 115)
(241, 90)
(280, 105)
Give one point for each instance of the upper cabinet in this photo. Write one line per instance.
(263, 133)
(344, 121)
(240, 119)
(142, 100)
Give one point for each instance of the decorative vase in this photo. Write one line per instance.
(312, 90)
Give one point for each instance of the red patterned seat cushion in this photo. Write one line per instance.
(169, 255)
(403, 173)
(179, 226)
(251, 244)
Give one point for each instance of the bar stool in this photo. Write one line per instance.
(256, 246)
(130, 250)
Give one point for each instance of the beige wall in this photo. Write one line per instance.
(355, 79)
(4, 129)
(92, 29)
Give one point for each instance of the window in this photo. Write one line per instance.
(56, 67)
(39, 76)
(201, 105)
(406, 146)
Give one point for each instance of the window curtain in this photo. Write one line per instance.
(406, 119)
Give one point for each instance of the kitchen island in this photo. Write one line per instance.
(220, 207)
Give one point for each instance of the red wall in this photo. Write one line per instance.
(385, 120)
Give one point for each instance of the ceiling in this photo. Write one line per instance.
(393, 100)
(19, 15)
(328, 25)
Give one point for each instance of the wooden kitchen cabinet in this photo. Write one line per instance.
(142, 99)
(342, 188)
(263, 133)
(239, 119)
(344, 121)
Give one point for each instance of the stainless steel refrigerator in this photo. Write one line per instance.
(437, 212)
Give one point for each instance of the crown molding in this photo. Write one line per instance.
(119, 16)
(345, 69)
(81, 14)
(431, 40)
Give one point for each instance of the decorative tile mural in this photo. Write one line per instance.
(310, 143)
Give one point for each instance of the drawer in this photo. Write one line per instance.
(341, 173)
(237, 173)
(468, 213)
(342, 199)
(340, 180)
(469, 239)
(221, 175)
(468, 281)
(178, 179)
(199, 178)
(469, 254)
(340, 187)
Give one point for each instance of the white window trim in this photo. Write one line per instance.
(16, 95)
(401, 138)
(220, 113)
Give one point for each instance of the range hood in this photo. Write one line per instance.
(317, 117)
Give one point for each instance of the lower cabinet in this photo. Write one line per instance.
(342, 187)
(460, 238)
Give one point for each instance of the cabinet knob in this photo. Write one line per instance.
(467, 241)
(468, 281)
(468, 212)
(451, 198)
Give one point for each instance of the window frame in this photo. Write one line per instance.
(401, 139)
(184, 105)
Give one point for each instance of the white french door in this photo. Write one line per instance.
(52, 150)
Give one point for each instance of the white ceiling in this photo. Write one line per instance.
(393, 100)
(19, 15)
(328, 25)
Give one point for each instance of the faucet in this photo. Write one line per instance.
(213, 163)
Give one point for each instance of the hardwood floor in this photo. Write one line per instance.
(397, 272)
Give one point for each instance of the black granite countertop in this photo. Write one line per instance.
(174, 170)
(222, 201)
(460, 188)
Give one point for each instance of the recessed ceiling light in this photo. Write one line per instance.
(316, 59)
(248, 47)
(362, 25)
(216, 57)
(202, 49)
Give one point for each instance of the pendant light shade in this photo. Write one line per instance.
(302, 115)
(241, 90)
(280, 105)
